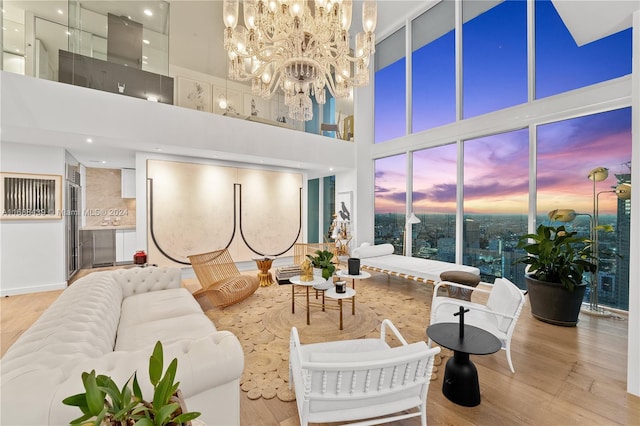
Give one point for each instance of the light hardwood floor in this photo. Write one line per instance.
(564, 376)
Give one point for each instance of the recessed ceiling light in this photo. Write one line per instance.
(330, 169)
(145, 62)
(18, 50)
(148, 12)
(60, 12)
(16, 30)
(4, 28)
(145, 41)
(67, 33)
(89, 140)
(145, 57)
(104, 162)
(158, 149)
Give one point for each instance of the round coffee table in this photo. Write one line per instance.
(363, 275)
(460, 384)
(348, 294)
(296, 280)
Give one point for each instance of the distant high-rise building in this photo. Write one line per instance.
(623, 230)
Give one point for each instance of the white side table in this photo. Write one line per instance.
(297, 281)
(348, 294)
(363, 275)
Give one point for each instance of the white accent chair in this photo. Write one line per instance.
(360, 379)
(498, 316)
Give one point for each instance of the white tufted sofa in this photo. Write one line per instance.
(109, 322)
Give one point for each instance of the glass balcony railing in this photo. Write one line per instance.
(123, 47)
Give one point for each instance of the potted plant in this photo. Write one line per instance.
(557, 260)
(103, 403)
(322, 260)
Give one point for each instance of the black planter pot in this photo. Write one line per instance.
(554, 304)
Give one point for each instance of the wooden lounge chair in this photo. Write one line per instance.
(222, 284)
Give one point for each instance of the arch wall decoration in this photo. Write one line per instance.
(195, 208)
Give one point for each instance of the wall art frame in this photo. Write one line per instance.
(344, 206)
(233, 98)
(193, 94)
(30, 196)
(255, 106)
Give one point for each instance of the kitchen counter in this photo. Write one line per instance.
(107, 227)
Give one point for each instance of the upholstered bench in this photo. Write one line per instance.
(460, 277)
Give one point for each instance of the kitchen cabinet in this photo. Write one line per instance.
(125, 245)
(128, 183)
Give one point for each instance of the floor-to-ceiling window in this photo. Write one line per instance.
(434, 202)
(433, 86)
(328, 204)
(494, 55)
(499, 159)
(564, 64)
(390, 200)
(567, 151)
(390, 85)
(496, 191)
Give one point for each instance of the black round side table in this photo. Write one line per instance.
(461, 383)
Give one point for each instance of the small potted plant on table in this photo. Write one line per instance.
(322, 260)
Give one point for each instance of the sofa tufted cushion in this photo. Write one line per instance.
(168, 315)
(144, 280)
(157, 305)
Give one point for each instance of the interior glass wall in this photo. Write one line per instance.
(89, 27)
(390, 201)
(434, 203)
(496, 202)
(563, 65)
(600, 140)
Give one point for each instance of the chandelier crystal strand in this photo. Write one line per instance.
(286, 46)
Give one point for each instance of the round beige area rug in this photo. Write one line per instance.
(263, 324)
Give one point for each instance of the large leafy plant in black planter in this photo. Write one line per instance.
(557, 259)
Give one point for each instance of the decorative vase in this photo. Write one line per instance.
(354, 265)
(554, 304)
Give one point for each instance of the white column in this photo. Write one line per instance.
(633, 351)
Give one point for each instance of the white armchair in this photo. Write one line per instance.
(360, 379)
(498, 316)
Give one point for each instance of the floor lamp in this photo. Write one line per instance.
(623, 192)
(411, 220)
(598, 174)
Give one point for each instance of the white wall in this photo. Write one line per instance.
(32, 255)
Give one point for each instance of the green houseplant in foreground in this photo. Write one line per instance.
(322, 260)
(103, 403)
(557, 260)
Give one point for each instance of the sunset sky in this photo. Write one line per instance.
(496, 167)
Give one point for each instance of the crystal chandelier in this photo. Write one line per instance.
(284, 45)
